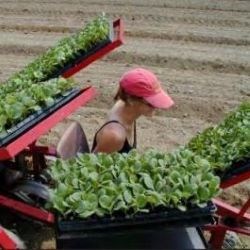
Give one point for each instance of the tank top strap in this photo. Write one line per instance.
(111, 121)
(135, 137)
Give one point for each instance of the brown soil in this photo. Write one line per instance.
(198, 49)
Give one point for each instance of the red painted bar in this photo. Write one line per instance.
(5, 241)
(244, 209)
(45, 125)
(225, 209)
(27, 210)
(235, 180)
(42, 150)
(215, 229)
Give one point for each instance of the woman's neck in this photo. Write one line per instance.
(124, 113)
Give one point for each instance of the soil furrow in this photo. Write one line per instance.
(199, 50)
(180, 63)
(22, 50)
(189, 38)
(133, 33)
(218, 66)
(36, 28)
(240, 6)
(191, 19)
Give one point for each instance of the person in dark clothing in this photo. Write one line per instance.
(139, 93)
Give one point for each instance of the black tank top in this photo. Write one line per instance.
(126, 146)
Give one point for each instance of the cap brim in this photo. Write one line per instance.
(160, 100)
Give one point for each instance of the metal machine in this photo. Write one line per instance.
(23, 166)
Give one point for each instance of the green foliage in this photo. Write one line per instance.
(20, 96)
(15, 106)
(227, 142)
(105, 183)
(64, 52)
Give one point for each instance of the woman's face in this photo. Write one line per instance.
(146, 109)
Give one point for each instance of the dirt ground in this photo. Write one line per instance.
(200, 50)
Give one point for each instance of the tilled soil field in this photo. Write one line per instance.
(200, 50)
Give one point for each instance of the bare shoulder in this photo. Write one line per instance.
(110, 138)
(112, 131)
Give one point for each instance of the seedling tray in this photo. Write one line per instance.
(36, 117)
(173, 217)
(236, 168)
(149, 237)
(82, 55)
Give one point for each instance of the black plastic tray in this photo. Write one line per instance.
(150, 238)
(236, 168)
(36, 117)
(82, 55)
(193, 217)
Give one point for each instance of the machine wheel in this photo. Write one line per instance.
(32, 192)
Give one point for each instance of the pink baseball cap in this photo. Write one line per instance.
(143, 83)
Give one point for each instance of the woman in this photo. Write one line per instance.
(139, 93)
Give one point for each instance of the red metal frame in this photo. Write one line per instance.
(237, 217)
(19, 144)
(25, 209)
(28, 140)
(45, 150)
(5, 241)
(31, 136)
(225, 209)
(230, 218)
(118, 32)
(235, 180)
